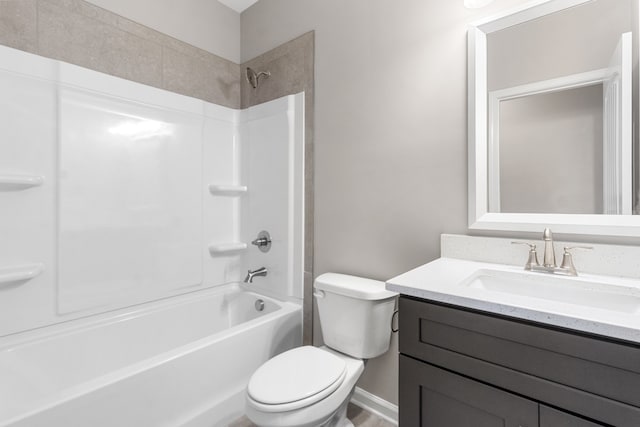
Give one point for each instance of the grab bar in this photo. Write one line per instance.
(20, 273)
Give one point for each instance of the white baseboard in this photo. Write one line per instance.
(375, 405)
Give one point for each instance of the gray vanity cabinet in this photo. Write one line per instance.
(465, 368)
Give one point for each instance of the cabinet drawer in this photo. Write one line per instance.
(433, 397)
(602, 367)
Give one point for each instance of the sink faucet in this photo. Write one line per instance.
(549, 261)
(251, 274)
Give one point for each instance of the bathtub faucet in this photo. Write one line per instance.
(251, 274)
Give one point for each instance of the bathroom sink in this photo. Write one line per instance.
(571, 290)
(596, 304)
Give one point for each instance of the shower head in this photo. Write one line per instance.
(254, 78)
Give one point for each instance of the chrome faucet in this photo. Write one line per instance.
(549, 261)
(251, 274)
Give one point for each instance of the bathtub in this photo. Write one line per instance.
(183, 361)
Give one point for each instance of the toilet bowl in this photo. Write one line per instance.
(312, 386)
(317, 383)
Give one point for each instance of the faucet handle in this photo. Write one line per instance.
(567, 259)
(263, 241)
(532, 246)
(533, 254)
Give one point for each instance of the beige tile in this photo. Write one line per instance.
(309, 177)
(84, 34)
(287, 77)
(67, 35)
(111, 19)
(191, 50)
(18, 24)
(307, 310)
(209, 78)
(117, 21)
(308, 205)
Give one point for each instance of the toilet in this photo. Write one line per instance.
(312, 386)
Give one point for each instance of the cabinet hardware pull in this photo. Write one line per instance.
(398, 328)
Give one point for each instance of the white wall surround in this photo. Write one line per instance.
(206, 24)
(129, 206)
(609, 260)
(107, 198)
(274, 174)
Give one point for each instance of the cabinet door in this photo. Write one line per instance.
(433, 397)
(550, 417)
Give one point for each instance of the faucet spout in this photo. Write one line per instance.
(549, 253)
(261, 272)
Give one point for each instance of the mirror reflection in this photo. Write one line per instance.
(560, 119)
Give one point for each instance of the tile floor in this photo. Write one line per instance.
(358, 416)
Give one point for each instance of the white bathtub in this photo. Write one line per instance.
(184, 361)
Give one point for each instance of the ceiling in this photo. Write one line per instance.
(238, 5)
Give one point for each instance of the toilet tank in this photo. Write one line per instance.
(355, 314)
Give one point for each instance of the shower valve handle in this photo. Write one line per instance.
(263, 241)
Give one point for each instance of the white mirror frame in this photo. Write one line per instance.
(479, 216)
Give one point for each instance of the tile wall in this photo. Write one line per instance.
(80, 33)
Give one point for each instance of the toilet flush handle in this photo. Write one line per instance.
(318, 294)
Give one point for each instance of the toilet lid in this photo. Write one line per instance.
(296, 375)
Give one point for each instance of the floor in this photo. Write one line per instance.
(358, 416)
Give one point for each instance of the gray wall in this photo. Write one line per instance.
(390, 131)
(206, 24)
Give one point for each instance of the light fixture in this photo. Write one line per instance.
(475, 4)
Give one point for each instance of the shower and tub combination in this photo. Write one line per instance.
(127, 215)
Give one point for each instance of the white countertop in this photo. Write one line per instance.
(441, 280)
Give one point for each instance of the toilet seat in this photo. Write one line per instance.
(309, 414)
(295, 379)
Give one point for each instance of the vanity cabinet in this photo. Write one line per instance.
(466, 368)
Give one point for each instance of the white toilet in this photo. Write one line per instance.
(311, 386)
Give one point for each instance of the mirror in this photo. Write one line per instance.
(551, 119)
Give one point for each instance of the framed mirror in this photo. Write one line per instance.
(552, 101)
